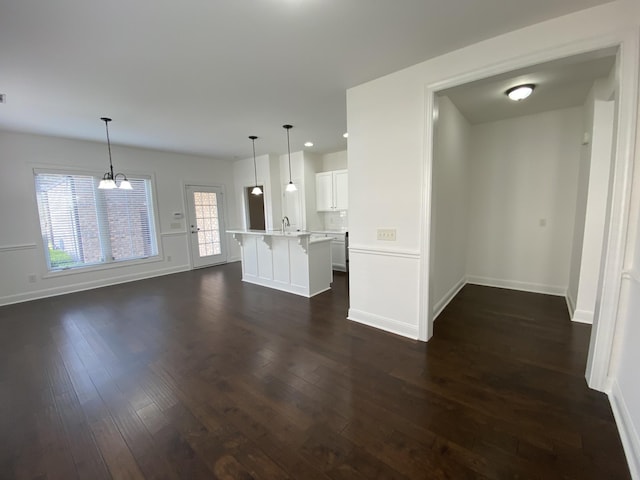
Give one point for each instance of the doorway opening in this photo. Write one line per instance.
(610, 254)
(255, 209)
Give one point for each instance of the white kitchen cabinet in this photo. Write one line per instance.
(338, 255)
(332, 191)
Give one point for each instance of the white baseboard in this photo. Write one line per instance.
(628, 433)
(516, 285)
(582, 316)
(571, 304)
(383, 323)
(79, 287)
(444, 301)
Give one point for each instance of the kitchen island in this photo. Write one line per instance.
(288, 261)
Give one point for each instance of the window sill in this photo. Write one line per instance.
(103, 266)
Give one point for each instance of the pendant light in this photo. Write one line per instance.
(108, 181)
(256, 190)
(290, 187)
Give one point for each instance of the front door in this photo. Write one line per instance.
(206, 225)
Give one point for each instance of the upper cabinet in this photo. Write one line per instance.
(332, 191)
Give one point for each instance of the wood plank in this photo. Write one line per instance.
(198, 375)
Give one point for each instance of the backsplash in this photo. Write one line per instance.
(336, 220)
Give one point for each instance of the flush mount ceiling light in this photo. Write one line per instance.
(520, 92)
(256, 190)
(108, 181)
(290, 187)
(308, 144)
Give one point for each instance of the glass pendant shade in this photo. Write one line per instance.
(107, 184)
(291, 187)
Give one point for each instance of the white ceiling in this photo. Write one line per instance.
(562, 83)
(199, 76)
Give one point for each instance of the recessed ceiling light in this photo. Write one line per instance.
(308, 144)
(345, 134)
(520, 92)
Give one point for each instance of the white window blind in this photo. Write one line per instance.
(83, 226)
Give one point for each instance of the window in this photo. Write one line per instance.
(84, 226)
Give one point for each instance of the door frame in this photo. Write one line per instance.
(613, 257)
(223, 235)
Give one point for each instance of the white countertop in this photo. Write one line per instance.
(278, 233)
(330, 232)
(271, 233)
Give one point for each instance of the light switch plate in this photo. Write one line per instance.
(387, 234)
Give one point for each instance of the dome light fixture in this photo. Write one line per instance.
(290, 186)
(256, 190)
(520, 92)
(108, 181)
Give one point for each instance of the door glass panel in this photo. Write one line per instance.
(206, 208)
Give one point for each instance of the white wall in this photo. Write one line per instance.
(522, 199)
(388, 144)
(312, 165)
(450, 208)
(596, 210)
(334, 161)
(300, 206)
(581, 203)
(625, 385)
(388, 141)
(21, 253)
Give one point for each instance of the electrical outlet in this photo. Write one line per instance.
(543, 222)
(387, 234)
(169, 259)
(33, 278)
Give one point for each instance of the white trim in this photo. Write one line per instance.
(387, 324)
(450, 295)
(606, 315)
(631, 275)
(224, 240)
(173, 234)
(628, 434)
(571, 304)
(79, 287)
(103, 266)
(16, 248)
(582, 316)
(425, 314)
(387, 252)
(301, 290)
(517, 285)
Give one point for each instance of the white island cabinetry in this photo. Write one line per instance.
(291, 261)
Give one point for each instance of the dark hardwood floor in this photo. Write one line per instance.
(196, 375)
